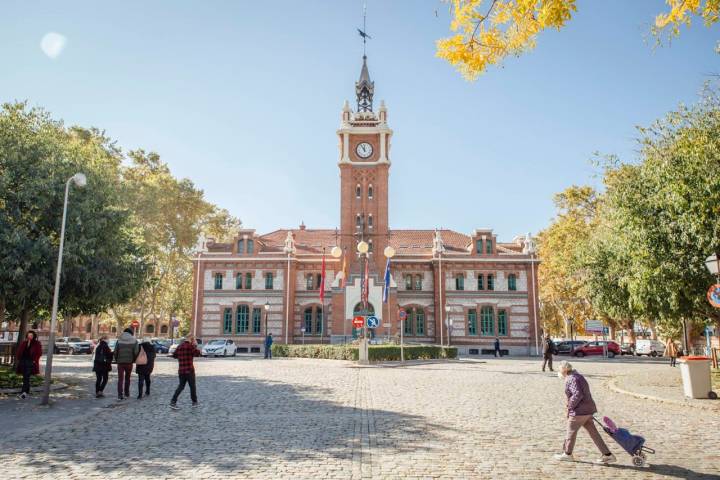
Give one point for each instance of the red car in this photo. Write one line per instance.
(596, 348)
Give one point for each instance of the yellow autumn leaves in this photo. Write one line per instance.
(487, 31)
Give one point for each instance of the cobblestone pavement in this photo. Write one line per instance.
(296, 418)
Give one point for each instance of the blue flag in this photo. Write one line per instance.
(386, 288)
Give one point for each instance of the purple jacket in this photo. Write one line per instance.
(577, 390)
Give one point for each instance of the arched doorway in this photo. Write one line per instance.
(360, 310)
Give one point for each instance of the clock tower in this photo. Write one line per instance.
(364, 162)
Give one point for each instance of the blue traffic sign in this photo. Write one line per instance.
(373, 321)
(402, 314)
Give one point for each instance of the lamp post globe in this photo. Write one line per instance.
(362, 247)
(336, 252)
(79, 179)
(711, 263)
(389, 251)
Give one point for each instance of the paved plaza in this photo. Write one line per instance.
(298, 418)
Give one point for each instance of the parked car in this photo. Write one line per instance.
(627, 349)
(566, 347)
(161, 346)
(219, 346)
(73, 345)
(652, 348)
(178, 341)
(597, 348)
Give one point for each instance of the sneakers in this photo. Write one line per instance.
(605, 459)
(139, 397)
(22, 396)
(174, 407)
(120, 398)
(563, 457)
(195, 404)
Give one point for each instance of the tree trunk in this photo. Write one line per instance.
(25, 314)
(630, 325)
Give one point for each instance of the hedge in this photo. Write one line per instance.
(376, 353)
(10, 379)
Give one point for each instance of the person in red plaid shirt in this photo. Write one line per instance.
(186, 371)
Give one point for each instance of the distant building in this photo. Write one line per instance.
(482, 287)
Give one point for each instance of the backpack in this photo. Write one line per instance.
(142, 357)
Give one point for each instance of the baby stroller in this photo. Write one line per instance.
(634, 445)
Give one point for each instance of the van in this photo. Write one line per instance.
(652, 348)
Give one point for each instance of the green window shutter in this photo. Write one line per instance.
(218, 281)
(512, 282)
(241, 319)
(268, 281)
(487, 322)
(256, 317)
(319, 320)
(490, 282)
(238, 281)
(478, 246)
(241, 246)
(481, 283)
(248, 281)
(420, 322)
(250, 246)
(409, 321)
(460, 282)
(308, 321)
(489, 246)
(472, 321)
(502, 323)
(227, 321)
(408, 282)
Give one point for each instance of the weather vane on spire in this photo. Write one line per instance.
(362, 33)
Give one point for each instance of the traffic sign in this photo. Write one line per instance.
(593, 326)
(358, 321)
(402, 314)
(135, 324)
(373, 321)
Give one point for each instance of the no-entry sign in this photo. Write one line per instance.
(135, 324)
(358, 321)
(402, 314)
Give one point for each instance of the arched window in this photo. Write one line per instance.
(257, 314)
(512, 282)
(218, 281)
(359, 310)
(459, 281)
(487, 321)
(472, 321)
(250, 246)
(481, 282)
(238, 281)
(418, 282)
(88, 327)
(241, 319)
(358, 191)
(408, 282)
(227, 321)
(164, 328)
(241, 246)
(308, 320)
(248, 281)
(358, 221)
(149, 328)
(370, 192)
(370, 221)
(490, 281)
(502, 323)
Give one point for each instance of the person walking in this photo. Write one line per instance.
(144, 365)
(671, 351)
(580, 408)
(497, 347)
(268, 345)
(28, 360)
(185, 353)
(126, 350)
(548, 351)
(102, 365)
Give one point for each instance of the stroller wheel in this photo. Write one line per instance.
(639, 460)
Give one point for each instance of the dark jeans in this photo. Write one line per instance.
(101, 379)
(498, 353)
(124, 374)
(143, 378)
(185, 378)
(26, 367)
(672, 361)
(268, 352)
(547, 361)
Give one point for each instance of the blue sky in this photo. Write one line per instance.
(244, 98)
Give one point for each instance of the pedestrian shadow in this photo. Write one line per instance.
(672, 471)
(242, 423)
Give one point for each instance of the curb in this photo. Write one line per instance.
(53, 387)
(612, 385)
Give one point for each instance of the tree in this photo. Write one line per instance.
(488, 31)
(103, 264)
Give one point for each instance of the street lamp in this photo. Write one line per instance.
(267, 309)
(530, 249)
(80, 180)
(362, 249)
(448, 324)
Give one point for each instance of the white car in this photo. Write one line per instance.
(219, 346)
(651, 348)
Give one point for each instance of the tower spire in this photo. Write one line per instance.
(364, 87)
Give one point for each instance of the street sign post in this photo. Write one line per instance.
(373, 321)
(402, 315)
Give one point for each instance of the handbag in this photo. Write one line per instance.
(142, 357)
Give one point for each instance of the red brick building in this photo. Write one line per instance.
(462, 289)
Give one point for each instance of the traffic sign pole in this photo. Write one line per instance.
(402, 314)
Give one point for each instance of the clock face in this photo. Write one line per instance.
(364, 150)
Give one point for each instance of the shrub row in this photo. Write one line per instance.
(376, 353)
(10, 379)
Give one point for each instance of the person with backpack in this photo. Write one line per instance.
(548, 351)
(185, 353)
(126, 350)
(28, 361)
(144, 364)
(102, 365)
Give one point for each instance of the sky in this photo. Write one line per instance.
(244, 99)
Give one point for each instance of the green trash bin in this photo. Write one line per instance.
(695, 373)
